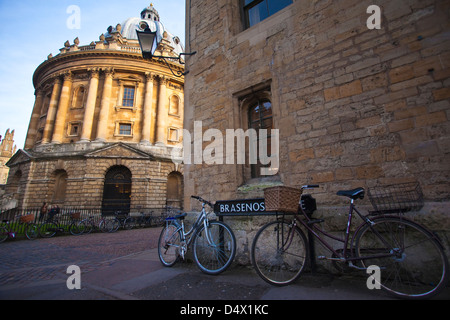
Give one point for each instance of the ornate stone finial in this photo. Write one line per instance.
(76, 41)
(50, 56)
(119, 27)
(67, 44)
(102, 37)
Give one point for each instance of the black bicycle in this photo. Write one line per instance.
(411, 258)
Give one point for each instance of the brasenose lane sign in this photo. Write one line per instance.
(241, 207)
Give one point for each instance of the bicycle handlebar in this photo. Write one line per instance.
(203, 200)
(310, 186)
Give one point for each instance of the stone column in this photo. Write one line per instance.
(147, 118)
(61, 115)
(161, 122)
(102, 127)
(51, 113)
(90, 106)
(34, 121)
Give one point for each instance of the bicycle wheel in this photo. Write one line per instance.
(105, 225)
(114, 224)
(279, 253)
(48, 229)
(32, 231)
(412, 261)
(76, 229)
(3, 234)
(129, 223)
(85, 226)
(214, 247)
(169, 245)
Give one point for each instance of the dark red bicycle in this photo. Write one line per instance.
(411, 259)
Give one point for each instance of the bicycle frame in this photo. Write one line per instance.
(187, 237)
(344, 257)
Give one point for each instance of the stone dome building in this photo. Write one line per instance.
(104, 124)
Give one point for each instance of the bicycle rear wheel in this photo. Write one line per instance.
(279, 253)
(412, 261)
(214, 247)
(3, 234)
(169, 245)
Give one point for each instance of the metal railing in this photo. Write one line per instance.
(64, 216)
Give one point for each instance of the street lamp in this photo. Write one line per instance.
(148, 42)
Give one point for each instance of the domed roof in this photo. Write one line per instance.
(150, 18)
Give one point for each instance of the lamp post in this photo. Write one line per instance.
(148, 42)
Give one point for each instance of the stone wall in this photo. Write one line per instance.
(33, 175)
(355, 107)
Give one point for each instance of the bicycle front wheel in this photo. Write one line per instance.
(279, 253)
(412, 261)
(48, 229)
(169, 245)
(76, 229)
(214, 247)
(129, 223)
(32, 231)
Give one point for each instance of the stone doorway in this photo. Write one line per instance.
(117, 191)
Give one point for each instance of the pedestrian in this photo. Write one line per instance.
(53, 211)
(43, 211)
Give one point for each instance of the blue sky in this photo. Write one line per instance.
(32, 29)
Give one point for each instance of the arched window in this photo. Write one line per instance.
(260, 117)
(175, 190)
(59, 194)
(174, 108)
(79, 97)
(46, 104)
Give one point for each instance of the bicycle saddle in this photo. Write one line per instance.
(181, 217)
(352, 194)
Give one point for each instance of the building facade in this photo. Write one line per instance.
(104, 124)
(7, 149)
(360, 96)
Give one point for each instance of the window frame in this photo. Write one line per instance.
(127, 83)
(245, 9)
(128, 98)
(117, 131)
(255, 169)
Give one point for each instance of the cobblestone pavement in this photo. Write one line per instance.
(125, 266)
(24, 261)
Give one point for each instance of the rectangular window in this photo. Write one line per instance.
(125, 129)
(74, 129)
(128, 97)
(173, 135)
(256, 11)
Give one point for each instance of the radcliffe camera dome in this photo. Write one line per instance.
(150, 18)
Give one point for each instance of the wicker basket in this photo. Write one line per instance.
(28, 218)
(282, 199)
(76, 215)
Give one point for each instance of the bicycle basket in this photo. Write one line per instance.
(398, 198)
(76, 215)
(282, 199)
(28, 218)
